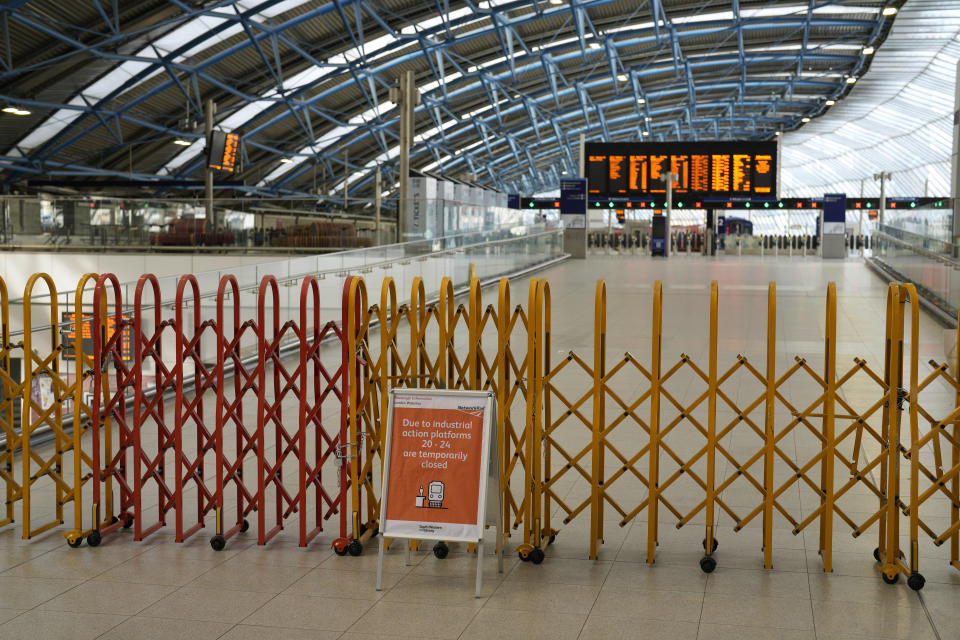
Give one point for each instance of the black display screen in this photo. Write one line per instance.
(704, 169)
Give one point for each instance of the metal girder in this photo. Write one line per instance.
(513, 122)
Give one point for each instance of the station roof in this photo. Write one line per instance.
(116, 89)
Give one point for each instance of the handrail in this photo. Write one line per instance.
(897, 231)
(933, 255)
(342, 270)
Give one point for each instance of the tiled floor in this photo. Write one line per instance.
(159, 589)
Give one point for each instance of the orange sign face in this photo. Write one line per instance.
(435, 477)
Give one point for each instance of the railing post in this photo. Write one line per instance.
(708, 563)
(769, 422)
(599, 416)
(829, 403)
(653, 502)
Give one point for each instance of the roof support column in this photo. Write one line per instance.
(406, 98)
(208, 111)
(955, 169)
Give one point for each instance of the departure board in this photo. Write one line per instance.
(715, 169)
(69, 335)
(222, 151)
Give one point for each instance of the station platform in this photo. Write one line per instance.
(159, 588)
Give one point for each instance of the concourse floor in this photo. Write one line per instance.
(160, 589)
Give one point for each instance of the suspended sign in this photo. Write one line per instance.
(222, 151)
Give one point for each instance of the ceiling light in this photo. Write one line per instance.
(16, 111)
(830, 103)
(182, 143)
(622, 78)
(804, 119)
(647, 118)
(595, 45)
(777, 133)
(646, 133)
(286, 160)
(851, 80)
(641, 101)
(556, 1)
(868, 51)
(563, 173)
(889, 11)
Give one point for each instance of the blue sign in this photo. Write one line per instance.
(513, 201)
(835, 207)
(573, 196)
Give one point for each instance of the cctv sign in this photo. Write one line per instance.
(436, 463)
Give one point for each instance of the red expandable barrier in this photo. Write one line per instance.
(316, 385)
(109, 408)
(150, 471)
(230, 412)
(270, 412)
(189, 408)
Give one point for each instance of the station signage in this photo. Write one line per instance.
(727, 169)
(437, 462)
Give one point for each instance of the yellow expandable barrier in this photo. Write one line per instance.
(10, 391)
(44, 392)
(576, 454)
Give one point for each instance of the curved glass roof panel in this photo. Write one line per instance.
(898, 118)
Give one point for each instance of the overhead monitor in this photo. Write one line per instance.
(716, 169)
(222, 151)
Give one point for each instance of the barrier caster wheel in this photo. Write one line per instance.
(218, 542)
(114, 520)
(916, 581)
(75, 544)
(876, 554)
(536, 556)
(894, 580)
(716, 544)
(127, 520)
(94, 539)
(355, 548)
(552, 539)
(340, 552)
(524, 556)
(440, 550)
(244, 526)
(708, 564)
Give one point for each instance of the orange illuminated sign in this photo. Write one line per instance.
(223, 151)
(69, 335)
(708, 169)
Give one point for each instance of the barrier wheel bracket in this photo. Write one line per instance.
(524, 551)
(75, 544)
(916, 581)
(708, 564)
(218, 542)
(94, 539)
(355, 548)
(440, 550)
